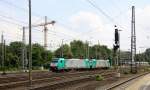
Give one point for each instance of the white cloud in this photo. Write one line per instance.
(86, 19)
(94, 27)
(143, 27)
(10, 32)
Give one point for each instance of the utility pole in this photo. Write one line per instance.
(30, 47)
(85, 49)
(88, 49)
(45, 29)
(99, 48)
(62, 49)
(23, 50)
(96, 52)
(45, 33)
(2, 50)
(26, 59)
(4, 73)
(133, 39)
(3, 56)
(30, 38)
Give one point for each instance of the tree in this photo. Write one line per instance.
(12, 61)
(105, 52)
(147, 55)
(37, 59)
(65, 50)
(47, 57)
(16, 49)
(78, 49)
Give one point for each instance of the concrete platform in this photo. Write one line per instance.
(140, 84)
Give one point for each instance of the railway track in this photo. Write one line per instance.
(38, 75)
(48, 78)
(24, 76)
(71, 81)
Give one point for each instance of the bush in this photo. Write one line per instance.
(99, 78)
(126, 72)
(147, 69)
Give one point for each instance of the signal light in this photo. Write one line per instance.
(116, 36)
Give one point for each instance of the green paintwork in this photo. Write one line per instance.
(94, 63)
(110, 61)
(86, 61)
(90, 63)
(109, 64)
(61, 63)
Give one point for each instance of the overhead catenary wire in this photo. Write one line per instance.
(51, 33)
(20, 8)
(21, 25)
(25, 10)
(83, 33)
(18, 24)
(59, 34)
(102, 12)
(115, 5)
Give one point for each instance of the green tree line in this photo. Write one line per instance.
(144, 56)
(79, 49)
(76, 49)
(42, 57)
(13, 58)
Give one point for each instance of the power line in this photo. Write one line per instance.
(100, 10)
(20, 8)
(82, 34)
(116, 6)
(23, 9)
(11, 22)
(18, 24)
(104, 13)
(10, 18)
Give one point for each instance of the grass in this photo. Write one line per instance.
(99, 77)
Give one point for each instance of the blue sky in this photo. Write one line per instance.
(76, 19)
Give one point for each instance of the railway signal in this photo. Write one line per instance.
(116, 36)
(116, 46)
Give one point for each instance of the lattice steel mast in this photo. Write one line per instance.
(133, 40)
(133, 36)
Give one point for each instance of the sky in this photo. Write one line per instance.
(77, 20)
